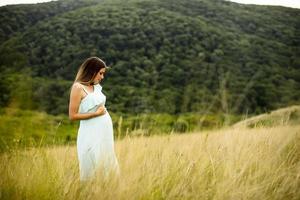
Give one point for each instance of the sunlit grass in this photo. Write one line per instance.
(261, 163)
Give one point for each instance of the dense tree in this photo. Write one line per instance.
(165, 56)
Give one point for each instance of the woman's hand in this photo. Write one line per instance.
(101, 110)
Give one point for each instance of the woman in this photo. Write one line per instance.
(95, 143)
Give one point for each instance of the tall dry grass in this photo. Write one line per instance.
(261, 163)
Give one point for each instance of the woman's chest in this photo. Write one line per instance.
(91, 101)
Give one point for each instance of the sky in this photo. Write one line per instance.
(287, 3)
(8, 2)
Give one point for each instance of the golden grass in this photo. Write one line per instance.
(233, 163)
(284, 116)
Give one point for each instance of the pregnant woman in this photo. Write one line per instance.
(95, 142)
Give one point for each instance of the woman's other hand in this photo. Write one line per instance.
(101, 110)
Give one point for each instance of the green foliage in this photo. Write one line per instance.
(181, 126)
(16, 18)
(26, 128)
(167, 56)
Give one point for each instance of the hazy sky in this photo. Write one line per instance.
(7, 2)
(288, 3)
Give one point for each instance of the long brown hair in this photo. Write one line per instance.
(88, 70)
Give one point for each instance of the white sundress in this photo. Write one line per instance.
(95, 141)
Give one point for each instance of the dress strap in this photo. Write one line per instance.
(84, 89)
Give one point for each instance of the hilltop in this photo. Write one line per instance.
(283, 116)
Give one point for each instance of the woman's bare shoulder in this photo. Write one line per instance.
(76, 86)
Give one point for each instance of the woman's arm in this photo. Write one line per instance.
(75, 98)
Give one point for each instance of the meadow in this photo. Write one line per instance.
(229, 163)
(185, 81)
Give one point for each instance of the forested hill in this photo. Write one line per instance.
(171, 56)
(16, 18)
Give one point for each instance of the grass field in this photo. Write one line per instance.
(232, 163)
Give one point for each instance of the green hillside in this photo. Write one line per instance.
(17, 18)
(173, 57)
(25, 128)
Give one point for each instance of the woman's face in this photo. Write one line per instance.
(99, 76)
